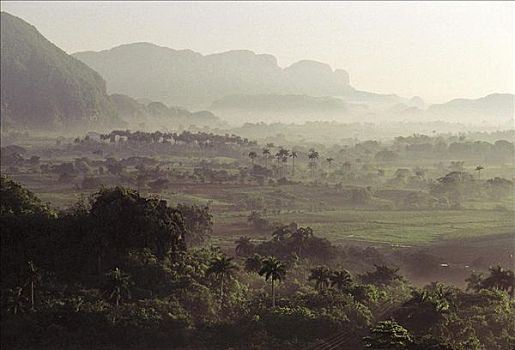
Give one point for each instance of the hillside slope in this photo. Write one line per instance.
(45, 88)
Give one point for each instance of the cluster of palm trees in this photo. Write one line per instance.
(224, 268)
(281, 156)
(200, 138)
(297, 236)
(325, 278)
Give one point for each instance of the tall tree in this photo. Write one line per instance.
(223, 268)
(293, 155)
(266, 155)
(300, 237)
(321, 275)
(273, 270)
(313, 156)
(33, 277)
(478, 169)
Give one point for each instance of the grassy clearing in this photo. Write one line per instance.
(395, 227)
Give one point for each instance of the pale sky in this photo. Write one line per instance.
(436, 50)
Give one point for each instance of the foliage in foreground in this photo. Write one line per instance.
(117, 272)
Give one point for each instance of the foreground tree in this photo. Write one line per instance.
(273, 270)
(122, 220)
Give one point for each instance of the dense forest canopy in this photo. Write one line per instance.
(116, 269)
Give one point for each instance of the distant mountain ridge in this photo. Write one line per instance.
(494, 106)
(42, 87)
(242, 84)
(156, 115)
(492, 109)
(190, 79)
(45, 88)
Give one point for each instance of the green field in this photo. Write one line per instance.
(393, 227)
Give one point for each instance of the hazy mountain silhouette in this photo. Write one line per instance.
(494, 107)
(45, 88)
(145, 114)
(187, 78)
(241, 85)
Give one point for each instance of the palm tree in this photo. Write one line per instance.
(293, 155)
(478, 169)
(300, 237)
(223, 267)
(254, 263)
(252, 156)
(33, 277)
(266, 154)
(281, 155)
(313, 156)
(342, 280)
(285, 155)
(320, 275)
(273, 270)
(244, 246)
(118, 285)
(329, 161)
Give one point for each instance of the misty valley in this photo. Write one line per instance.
(154, 198)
